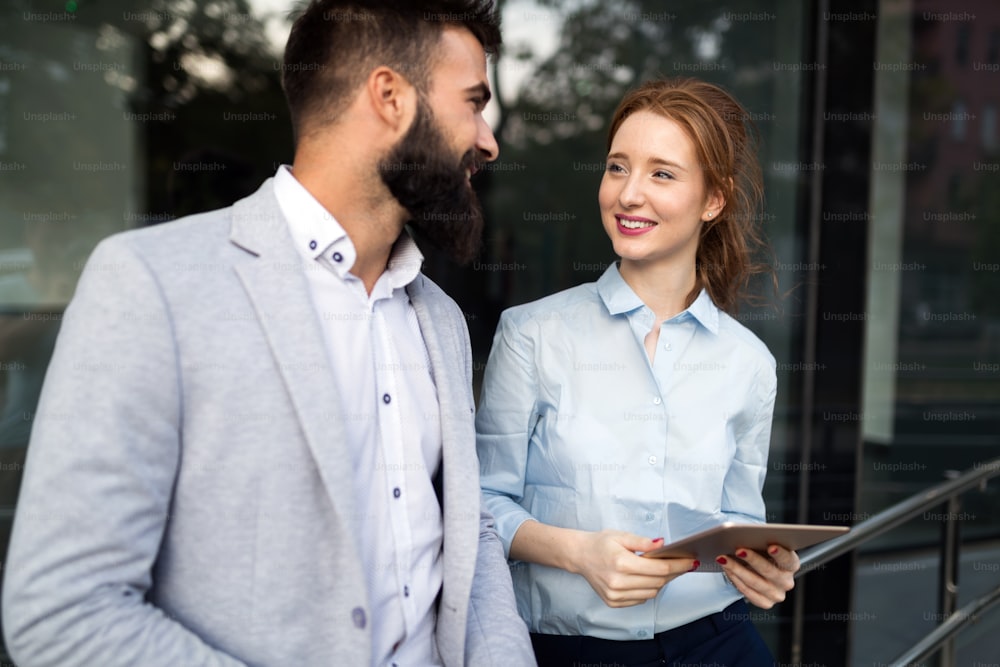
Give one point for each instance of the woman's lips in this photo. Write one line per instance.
(632, 225)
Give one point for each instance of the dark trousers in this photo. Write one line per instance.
(723, 639)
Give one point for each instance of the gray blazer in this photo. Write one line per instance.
(186, 499)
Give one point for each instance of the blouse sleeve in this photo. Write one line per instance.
(507, 414)
(742, 498)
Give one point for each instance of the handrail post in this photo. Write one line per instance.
(948, 568)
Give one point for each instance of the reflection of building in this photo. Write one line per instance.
(954, 100)
(950, 208)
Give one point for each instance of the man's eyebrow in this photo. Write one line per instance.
(482, 89)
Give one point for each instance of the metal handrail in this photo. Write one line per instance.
(942, 633)
(896, 515)
(948, 492)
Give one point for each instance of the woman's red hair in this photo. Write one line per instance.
(725, 145)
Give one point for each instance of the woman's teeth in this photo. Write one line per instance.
(634, 224)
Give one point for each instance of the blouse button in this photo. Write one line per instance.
(657, 400)
(652, 460)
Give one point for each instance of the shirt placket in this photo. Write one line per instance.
(392, 450)
(651, 463)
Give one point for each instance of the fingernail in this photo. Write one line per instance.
(658, 539)
(695, 566)
(742, 553)
(721, 560)
(772, 550)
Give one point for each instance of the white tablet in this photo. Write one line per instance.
(727, 538)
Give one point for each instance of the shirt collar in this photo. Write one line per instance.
(318, 236)
(619, 298)
(314, 229)
(404, 262)
(705, 311)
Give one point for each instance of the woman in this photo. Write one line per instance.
(622, 414)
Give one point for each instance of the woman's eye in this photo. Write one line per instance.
(614, 168)
(664, 174)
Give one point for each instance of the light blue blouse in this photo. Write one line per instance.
(577, 429)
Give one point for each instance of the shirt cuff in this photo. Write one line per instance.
(507, 517)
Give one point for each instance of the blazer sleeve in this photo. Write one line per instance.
(496, 634)
(96, 493)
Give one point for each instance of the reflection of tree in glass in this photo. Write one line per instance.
(607, 47)
(206, 47)
(213, 88)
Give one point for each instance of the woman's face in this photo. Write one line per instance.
(653, 196)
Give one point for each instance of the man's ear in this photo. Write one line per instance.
(392, 97)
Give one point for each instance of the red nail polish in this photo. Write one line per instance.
(695, 566)
(772, 550)
(742, 553)
(721, 560)
(658, 539)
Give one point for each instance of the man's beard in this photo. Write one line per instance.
(421, 175)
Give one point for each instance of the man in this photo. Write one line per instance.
(255, 445)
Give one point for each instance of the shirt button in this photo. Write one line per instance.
(642, 633)
(337, 257)
(396, 493)
(666, 346)
(358, 616)
(652, 460)
(650, 516)
(312, 245)
(386, 398)
(657, 400)
(406, 591)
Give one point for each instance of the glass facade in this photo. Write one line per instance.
(931, 381)
(878, 141)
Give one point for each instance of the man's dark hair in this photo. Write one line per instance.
(335, 44)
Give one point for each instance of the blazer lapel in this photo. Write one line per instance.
(445, 338)
(445, 341)
(275, 282)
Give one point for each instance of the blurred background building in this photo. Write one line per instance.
(879, 143)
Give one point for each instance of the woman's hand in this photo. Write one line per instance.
(608, 562)
(763, 580)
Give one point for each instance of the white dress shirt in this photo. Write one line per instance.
(389, 404)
